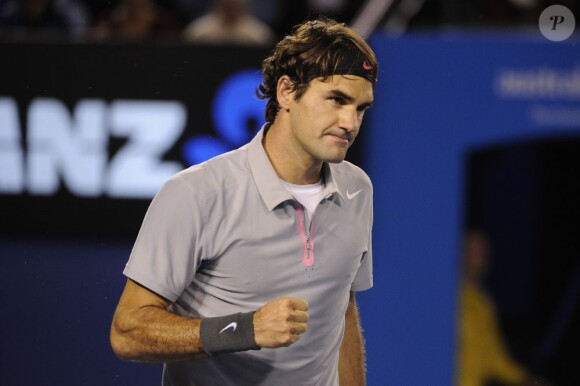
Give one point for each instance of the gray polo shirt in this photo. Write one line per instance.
(225, 236)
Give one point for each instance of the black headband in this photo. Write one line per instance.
(352, 62)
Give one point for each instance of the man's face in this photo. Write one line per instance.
(326, 119)
(476, 255)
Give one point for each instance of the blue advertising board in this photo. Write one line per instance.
(439, 97)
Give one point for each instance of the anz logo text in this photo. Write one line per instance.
(72, 148)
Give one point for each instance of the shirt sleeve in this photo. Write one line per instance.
(363, 279)
(167, 253)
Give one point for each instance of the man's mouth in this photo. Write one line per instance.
(345, 136)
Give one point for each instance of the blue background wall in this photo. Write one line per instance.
(439, 98)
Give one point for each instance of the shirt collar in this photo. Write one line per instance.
(269, 185)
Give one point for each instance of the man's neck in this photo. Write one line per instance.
(289, 166)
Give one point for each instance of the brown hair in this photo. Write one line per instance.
(317, 48)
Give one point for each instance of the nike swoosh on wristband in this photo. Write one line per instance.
(350, 196)
(232, 325)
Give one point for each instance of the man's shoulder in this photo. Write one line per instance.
(348, 171)
(224, 170)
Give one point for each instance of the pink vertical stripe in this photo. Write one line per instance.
(310, 262)
(307, 260)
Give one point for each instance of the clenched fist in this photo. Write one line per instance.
(280, 322)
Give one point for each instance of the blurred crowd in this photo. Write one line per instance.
(245, 21)
(220, 21)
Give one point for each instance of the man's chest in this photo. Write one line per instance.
(281, 249)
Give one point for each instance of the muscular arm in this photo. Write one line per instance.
(144, 329)
(351, 363)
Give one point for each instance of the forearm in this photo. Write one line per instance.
(154, 334)
(143, 328)
(351, 364)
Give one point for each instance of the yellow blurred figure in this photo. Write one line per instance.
(483, 355)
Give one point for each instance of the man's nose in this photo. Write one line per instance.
(349, 119)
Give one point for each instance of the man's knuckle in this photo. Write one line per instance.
(287, 315)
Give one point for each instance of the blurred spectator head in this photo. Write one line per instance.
(229, 22)
(35, 11)
(136, 19)
(43, 17)
(232, 10)
(476, 255)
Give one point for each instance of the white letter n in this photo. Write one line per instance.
(74, 148)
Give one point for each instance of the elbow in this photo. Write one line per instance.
(119, 348)
(120, 344)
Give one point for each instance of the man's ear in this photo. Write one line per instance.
(284, 92)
